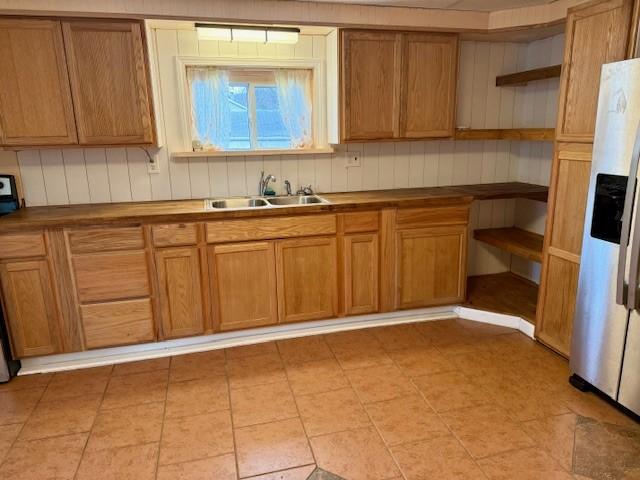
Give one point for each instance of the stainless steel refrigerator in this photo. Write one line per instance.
(605, 350)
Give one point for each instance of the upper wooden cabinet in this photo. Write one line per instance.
(595, 35)
(35, 99)
(77, 82)
(397, 85)
(109, 81)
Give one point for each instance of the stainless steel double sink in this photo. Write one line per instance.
(245, 203)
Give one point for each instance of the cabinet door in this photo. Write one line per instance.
(31, 309)
(35, 98)
(109, 81)
(360, 281)
(431, 266)
(370, 85)
(595, 35)
(429, 68)
(180, 291)
(244, 284)
(307, 279)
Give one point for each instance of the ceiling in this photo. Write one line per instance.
(477, 5)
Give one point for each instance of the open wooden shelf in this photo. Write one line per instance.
(514, 240)
(537, 134)
(522, 78)
(505, 293)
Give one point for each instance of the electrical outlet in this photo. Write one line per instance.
(153, 165)
(352, 160)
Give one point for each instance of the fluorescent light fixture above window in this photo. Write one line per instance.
(247, 33)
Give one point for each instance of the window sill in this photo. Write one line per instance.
(250, 153)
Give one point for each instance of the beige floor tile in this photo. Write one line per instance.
(197, 365)
(262, 404)
(17, 405)
(591, 406)
(8, 434)
(77, 383)
(300, 473)
(525, 401)
(265, 348)
(360, 355)
(315, 377)
(142, 366)
(135, 462)
(354, 455)
(486, 430)
(382, 382)
(216, 468)
(63, 417)
(399, 337)
(50, 458)
(527, 464)
(304, 349)
(438, 458)
(27, 381)
(194, 438)
(126, 426)
(419, 361)
(362, 336)
(330, 412)
(405, 419)
(256, 370)
(450, 390)
(479, 328)
(271, 447)
(136, 389)
(195, 397)
(556, 435)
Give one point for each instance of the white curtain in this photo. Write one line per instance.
(294, 95)
(210, 109)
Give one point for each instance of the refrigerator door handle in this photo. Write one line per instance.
(627, 226)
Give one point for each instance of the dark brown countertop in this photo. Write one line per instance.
(193, 210)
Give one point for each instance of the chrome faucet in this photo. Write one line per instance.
(305, 190)
(287, 187)
(264, 182)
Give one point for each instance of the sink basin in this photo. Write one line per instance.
(235, 203)
(296, 200)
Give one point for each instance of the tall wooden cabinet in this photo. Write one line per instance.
(596, 33)
(397, 85)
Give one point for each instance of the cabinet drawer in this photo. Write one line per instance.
(17, 245)
(360, 222)
(117, 323)
(265, 228)
(111, 276)
(175, 234)
(105, 239)
(427, 217)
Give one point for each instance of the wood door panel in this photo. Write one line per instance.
(270, 228)
(88, 240)
(35, 97)
(361, 283)
(16, 245)
(595, 35)
(117, 323)
(429, 69)
(176, 234)
(111, 276)
(307, 279)
(244, 284)
(431, 266)
(370, 80)
(109, 80)
(32, 315)
(180, 291)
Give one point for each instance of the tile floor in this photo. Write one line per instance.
(450, 399)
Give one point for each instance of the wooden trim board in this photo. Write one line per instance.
(526, 76)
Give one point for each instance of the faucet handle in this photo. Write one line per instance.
(305, 190)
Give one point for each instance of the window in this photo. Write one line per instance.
(250, 109)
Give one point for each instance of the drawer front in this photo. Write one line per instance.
(117, 323)
(427, 217)
(92, 240)
(175, 234)
(360, 222)
(266, 228)
(111, 276)
(18, 245)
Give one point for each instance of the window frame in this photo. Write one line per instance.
(319, 119)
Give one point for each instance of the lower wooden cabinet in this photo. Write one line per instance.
(243, 279)
(431, 266)
(307, 273)
(360, 273)
(117, 323)
(30, 303)
(180, 292)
